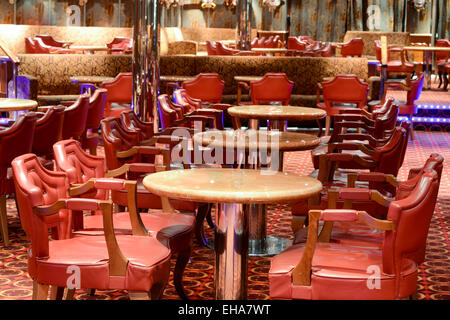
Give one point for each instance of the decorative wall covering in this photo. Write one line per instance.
(325, 20)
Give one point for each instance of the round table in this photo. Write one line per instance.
(254, 143)
(278, 114)
(231, 188)
(90, 82)
(15, 105)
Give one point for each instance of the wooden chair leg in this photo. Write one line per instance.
(69, 294)
(4, 220)
(202, 212)
(93, 151)
(412, 127)
(297, 223)
(319, 124)
(42, 291)
(56, 293)
(327, 125)
(182, 260)
(440, 78)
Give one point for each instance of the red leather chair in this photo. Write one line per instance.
(120, 90)
(324, 270)
(273, 87)
(343, 89)
(47, 132)
(136, 263)
(223, 50)
(132, 123)
(172, 229)
(14, 141)
(376, 131)
(75, 118)
(211, 48)
(120, 45)
(446, 74)
(295, 43)
(207, 87)
(193, 106)
(36, 45)
(49, 41)
(173, 115)
(90, 137)
(352, 48)
(401, 67)
(414, 90)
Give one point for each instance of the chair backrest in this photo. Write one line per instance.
(386, 122)
(442, 43)
(116, 138)
(182, 98)
(123, 43)
(207, 87)
(390, 156)
(412, 216)
(415, 91)
(75, 118)
(132, 122)
(16, 140)
(48, 40)
(120, 89)
(79, 165)
(96, 109)
(37, 186)
(168, 111)
(211, 48)
(222, 50)
(273, 87)
(345, 89)
(295, 43)
(353, 48)
(48, 131)
(35, 45)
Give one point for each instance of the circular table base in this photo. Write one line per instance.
(270, 247)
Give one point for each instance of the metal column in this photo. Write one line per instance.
(146, 20)
(244, 27)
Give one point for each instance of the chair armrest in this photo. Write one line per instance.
(360, 136)
(301, 274)
(117, 261)
(219, 106)
(370, 177)
(340, 146)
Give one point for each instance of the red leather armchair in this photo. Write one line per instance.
(343, 90)
(414, 90)
(211, 48)
(120, 90)
(75, 118)
(402, 66)
(315, 270)
(132, 123)
(36, 45)
(120, 45)
(223, 50)
(90, 137)
(49, 41)
(172, 229)
(295, 44)
(14, 141)
(106, 261)
(47, 132)
(352, 48)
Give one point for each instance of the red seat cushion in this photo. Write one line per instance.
(338, 272)
(151, 261)
(397, 66)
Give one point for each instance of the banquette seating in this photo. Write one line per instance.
(37, 45)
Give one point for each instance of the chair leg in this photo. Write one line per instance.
(327, 125)
(41, 291)
(182, 260)
(297, 223)
(446, 76)
(319, 124)
(4, 220)
(412, 127)
(202, 212)
(56, 293)
(69, 294)
(440, 78)
(93, 151)
(157, 290)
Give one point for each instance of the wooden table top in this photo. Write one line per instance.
(7, 104)
(274, 50)
(256, 140)
(232, 185)
(445, 49)
(247, 78)
(176, 78)
(269, 112)
(90, 79)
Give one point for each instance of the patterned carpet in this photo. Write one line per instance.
(434, 275)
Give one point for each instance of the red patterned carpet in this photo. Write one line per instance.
(434, 278)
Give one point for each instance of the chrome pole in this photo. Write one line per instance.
(231, 245)
(146, 59)
(244, 25)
